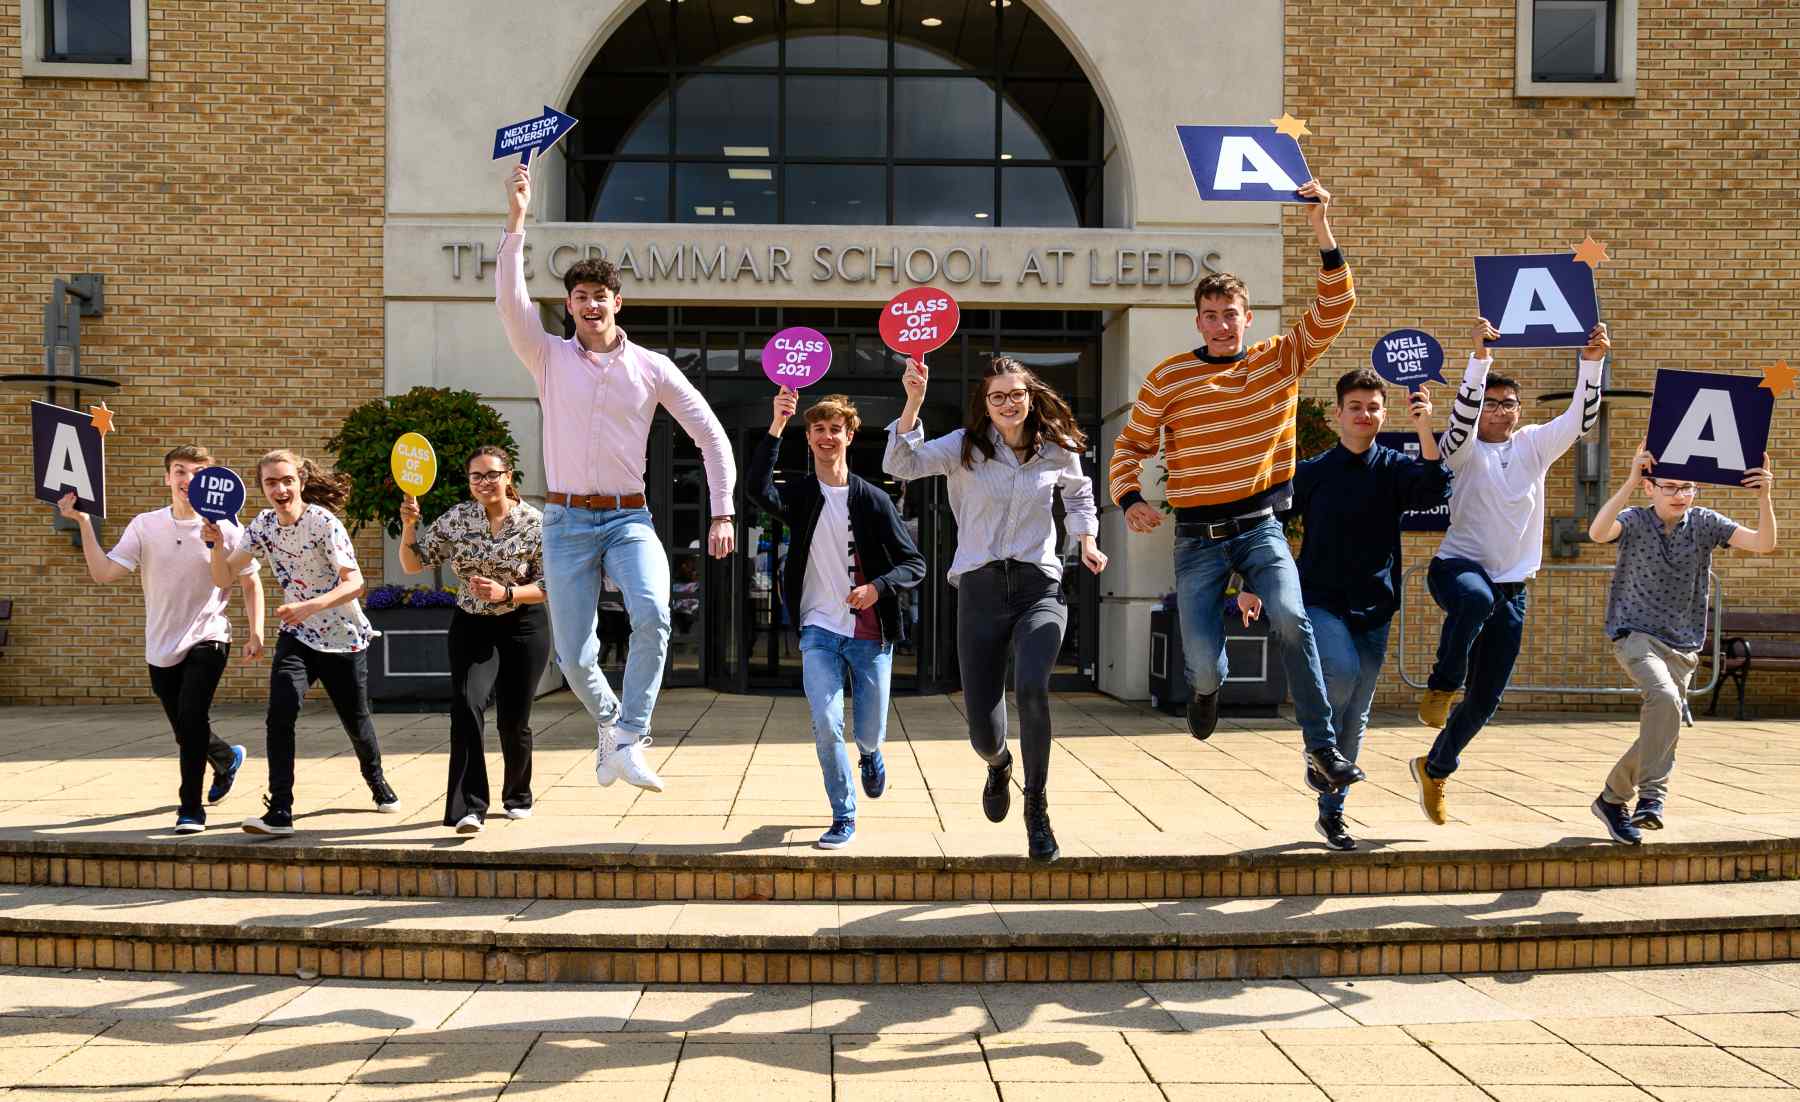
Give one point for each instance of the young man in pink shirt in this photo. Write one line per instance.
(599, 392)
(187, 637)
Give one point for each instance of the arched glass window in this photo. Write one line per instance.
(836, 112)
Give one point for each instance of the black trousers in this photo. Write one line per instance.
(346, 681)
(1009, 608)
(502, 658)
(186, 691)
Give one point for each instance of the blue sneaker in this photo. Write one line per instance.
(1618, 823)
(1648, 815)
(222, 782)
(190, 824)
(874, 775)
(842, 830)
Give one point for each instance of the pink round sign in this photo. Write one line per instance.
(796, 357)
(919, 321)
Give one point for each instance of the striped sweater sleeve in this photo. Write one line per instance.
(1324, 320)
(1137, 441)
(1464, 412)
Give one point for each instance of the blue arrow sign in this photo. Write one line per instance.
(532, 135)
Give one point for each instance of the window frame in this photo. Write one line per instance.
(34, 31)
(1624, 37)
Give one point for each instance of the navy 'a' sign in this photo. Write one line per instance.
(1706, 427)
(68, 453)
(1245, 163)
(1542, 301)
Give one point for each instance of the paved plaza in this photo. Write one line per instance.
(1677, 1035)
(742, 777)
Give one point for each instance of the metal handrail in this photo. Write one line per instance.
(1718, 638)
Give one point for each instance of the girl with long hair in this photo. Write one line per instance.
(324, 635)
(499, 634)
(1004, 467)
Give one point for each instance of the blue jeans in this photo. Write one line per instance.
(578, 545)
(1484, 621)
(1261, 555)
(1351, 661)
(825, 656)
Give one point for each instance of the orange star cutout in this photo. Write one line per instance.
(102, 418)
(1591, 252)
(1291, 126)
(1779, 378)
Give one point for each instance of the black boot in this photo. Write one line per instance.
(996, 794)
(1203, 715)
(1037, 828)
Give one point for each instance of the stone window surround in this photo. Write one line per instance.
(1624, 31)
(32, 29)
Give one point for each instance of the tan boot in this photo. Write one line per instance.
(1434, 708)
(1431, 793)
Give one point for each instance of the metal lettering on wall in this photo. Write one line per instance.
(1042, 267)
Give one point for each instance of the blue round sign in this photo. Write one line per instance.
(216, 493)
(1408, 357)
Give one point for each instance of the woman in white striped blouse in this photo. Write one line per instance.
(1019, 447)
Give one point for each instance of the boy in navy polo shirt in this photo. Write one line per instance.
(1656, 618)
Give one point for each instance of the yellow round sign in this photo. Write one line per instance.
(414, 464)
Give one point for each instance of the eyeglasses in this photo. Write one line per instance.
(1005, 397)
(1676, 489)
(1507, 404)
(482, 478)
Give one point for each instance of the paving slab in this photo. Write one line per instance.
(552, 1008)
(1246, 1004)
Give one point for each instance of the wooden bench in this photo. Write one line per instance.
(1753, 640)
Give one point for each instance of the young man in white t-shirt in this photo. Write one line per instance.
(187, 636)
(1494, 545)
(851, 556)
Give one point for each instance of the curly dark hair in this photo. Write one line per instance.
(603, 272)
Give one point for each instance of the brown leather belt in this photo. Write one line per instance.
(596, 501)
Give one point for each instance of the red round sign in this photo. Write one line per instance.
(919, 321)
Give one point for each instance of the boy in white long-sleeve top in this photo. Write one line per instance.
(1494, 546)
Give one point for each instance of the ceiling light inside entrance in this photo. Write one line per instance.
(743, 19)
(750, 174)
(931, 21)
(745, 150)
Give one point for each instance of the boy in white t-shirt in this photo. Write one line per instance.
(187, 636)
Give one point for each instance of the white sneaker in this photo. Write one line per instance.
(605, 757)
(469, 824)
(518, 813)
(627, 762)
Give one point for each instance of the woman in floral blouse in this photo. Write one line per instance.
(499, 634)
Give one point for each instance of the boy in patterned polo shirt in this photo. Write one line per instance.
(1656, 618)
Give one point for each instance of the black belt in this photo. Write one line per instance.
(1221, 530)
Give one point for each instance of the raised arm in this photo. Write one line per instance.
(518, 314)
(228, 558)
(1606, 527)
(1465, 411)
(1560, 434)
(908, 454)
(1761, 539)
(1334, 297)
(759, 472)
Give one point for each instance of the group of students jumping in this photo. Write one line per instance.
(1222, 415)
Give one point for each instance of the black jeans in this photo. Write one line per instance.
(346, 681)
(186, 691)
(502, 657)
(1009, 608)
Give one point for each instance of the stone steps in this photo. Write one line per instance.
(423, 867)
(639, 941)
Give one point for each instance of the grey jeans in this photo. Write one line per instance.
(1009, 609)
(1662, 674)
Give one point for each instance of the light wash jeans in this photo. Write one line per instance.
(825, 657)
(1351, 661)
(578, 545)
(1261, 555)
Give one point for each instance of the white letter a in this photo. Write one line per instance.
(1711, 409)
(1242, 160)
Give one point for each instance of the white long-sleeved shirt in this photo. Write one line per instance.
(1002, 506)
(1497, 498)
(598, 405)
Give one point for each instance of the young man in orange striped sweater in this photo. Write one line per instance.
(1224, 416)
